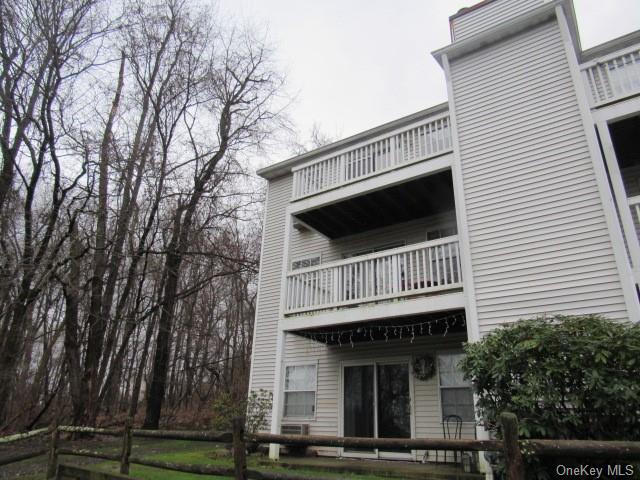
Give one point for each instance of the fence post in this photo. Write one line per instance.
(239, 449)
(512, 456)
(126, 447)
(52, 463)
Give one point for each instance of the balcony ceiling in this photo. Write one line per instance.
(625, 139)
(407, 201)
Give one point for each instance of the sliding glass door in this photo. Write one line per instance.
(359, 407)
(377, 403)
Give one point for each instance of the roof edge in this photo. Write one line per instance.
(465, 10)
(499, 32)
(282, 168)
(610, 46)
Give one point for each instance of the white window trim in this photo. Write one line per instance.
(285, 391)
(440, 387)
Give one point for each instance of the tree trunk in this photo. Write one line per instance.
(96, 319)
(71, 344)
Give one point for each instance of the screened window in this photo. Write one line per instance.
(441, 233)
(455, 392)
(300, 391)
(305, 262)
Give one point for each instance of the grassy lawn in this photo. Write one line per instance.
(197, 453)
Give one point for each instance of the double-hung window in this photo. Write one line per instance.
(455, 392)
(300, 391)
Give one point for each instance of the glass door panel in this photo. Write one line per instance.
(359, 403)
(394, 402)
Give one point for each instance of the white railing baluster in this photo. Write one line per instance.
(458, 264)
(614, 76)
(451, 280)
(424, 267)
(416, 142)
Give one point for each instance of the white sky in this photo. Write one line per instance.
(355, 64)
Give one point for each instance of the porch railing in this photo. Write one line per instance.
(417, 142)
(634, 205)
(415, 269)
(614, 76)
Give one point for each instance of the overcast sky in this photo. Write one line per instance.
(354, 64)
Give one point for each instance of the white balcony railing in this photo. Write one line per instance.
(613, 77)
(634, 205)
(417, 142)
(406, 271)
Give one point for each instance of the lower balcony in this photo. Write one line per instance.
(400, 273)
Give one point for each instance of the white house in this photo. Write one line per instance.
(519, 196)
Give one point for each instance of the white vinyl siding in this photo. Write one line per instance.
(427, 410)
(309, 243)
(538, 236)
(268, 307)
(489, 15)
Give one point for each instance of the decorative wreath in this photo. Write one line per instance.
(424, 367)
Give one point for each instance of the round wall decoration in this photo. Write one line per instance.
(424, 367)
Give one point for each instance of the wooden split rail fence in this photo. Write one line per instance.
(511, 448)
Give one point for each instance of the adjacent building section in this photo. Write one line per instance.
(385, 252)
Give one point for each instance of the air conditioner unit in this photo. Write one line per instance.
(295, 429)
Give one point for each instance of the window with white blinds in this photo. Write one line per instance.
(455, 392)
(300, 391)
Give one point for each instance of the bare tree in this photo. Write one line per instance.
(128, 232)
(41, 45)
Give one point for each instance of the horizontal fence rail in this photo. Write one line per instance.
(381, 443)
(510, 446)
(415, 269)
(418, 142)
(18, 437)
(613, 77)
(194, 436)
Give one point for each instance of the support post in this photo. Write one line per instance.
(514, 465)
(126, 447)
(239, 450)
(52, 463)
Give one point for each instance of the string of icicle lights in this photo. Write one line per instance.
(409, 330)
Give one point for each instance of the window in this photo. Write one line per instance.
(300, 391)
(455, 392)
(379, 248)
(305, 262)
(441, 233)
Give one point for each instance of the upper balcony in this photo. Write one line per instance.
(612, 71)
(416, 142)
(397, 273)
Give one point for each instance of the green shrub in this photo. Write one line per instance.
(565, 377)
(256, 408)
